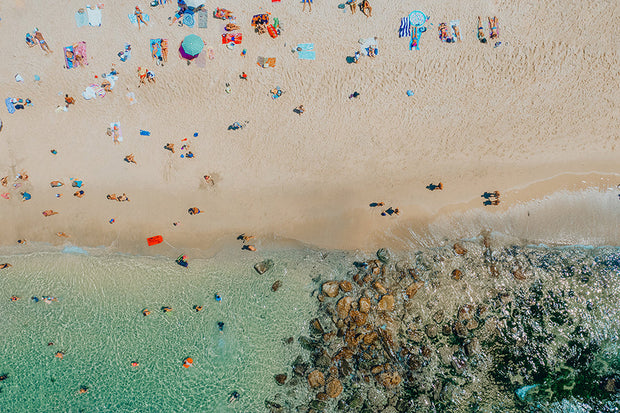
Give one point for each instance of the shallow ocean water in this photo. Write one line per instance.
(98, 323)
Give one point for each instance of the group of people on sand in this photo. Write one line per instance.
(245, 239)
(364, 7)
(144, 74)
(119, 198)
(492, 198)
(37, 38)
(389, 211)
(493, 28)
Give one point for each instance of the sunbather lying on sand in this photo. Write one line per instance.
(457, 33)
(231, 26)
(170, 147)
(493, 24)
(56, 184)
(353, 5)
(481, 35)
(443, 31)
(4, 181)
(366, 9)
(42, 42)
(139, 17)
(130, 159)
(112, 197)
(164, 49)
(49, 213)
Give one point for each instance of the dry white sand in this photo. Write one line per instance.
(543, 104)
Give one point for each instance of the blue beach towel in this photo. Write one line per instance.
(9, 105)
(145, 132)
(405, 27)
(305, 46)
(81, 19)
(188, 20)
(157, 43)
(307, 55)
(69, 61)
(134, 20)
(94, 16)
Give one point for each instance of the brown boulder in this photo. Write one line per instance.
(333, 388)
(331, 288)
(280, 379)
(364, 305)
(386, 303)
(322, 397)
(359, 317)
(371, 337)
(344, 306)
(316, 379)
(413, 289)
(518, 274)
(389, 380)
(457, 274)
(346, 286)
(276, 285)
(380, 288)
(459, 249)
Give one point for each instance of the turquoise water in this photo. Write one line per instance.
(561, 324)
(98, 323)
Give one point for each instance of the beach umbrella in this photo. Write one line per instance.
(194, 3)
(192, 45)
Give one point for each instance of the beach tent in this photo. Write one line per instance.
(191, 46)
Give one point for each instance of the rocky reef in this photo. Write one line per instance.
(467, 327)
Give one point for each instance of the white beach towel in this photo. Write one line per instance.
(457, 24)
(94, 16)
(367, 43)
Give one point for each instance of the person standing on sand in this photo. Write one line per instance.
(42, 42)
(309, 3)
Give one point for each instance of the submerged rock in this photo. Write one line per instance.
(346, 286)
(364, 305)
(308, 343)
(316, 327)
(413, 288)
(316, 379)
(331, 288)
(280, 378)
(390, 379)
(386, 303)
(263, 266)
(334, 388)
(459, 249)
(438, 316)
(276, 285)
(473, 347)
(344, 306)
(431, 330)
(457, 274)
(384, 255)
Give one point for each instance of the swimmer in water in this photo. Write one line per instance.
(146, 312)
(134, 364)
(233, 397)
(35, 298)
(218, 297)
(220, 326)
(60, 355)
(198, 308)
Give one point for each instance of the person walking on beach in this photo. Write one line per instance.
(42, 42)
(309, 3)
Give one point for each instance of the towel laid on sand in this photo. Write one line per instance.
(79, 49)
(134, 20)
(454, 23)
(81, 18)
(306, 55)
(366, 44)
(156, 48)
(93, 91)
(9, 105)
(405, 27)
(118, 126)
(69, 57)
(305, 46)
(202, 17)
(94, 16)
(235, 38)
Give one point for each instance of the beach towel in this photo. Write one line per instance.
(118, 125)
(188, 20)
(9, 105)
(405, 27)
(81, 18)
(306, 55)
(80, 50)
(271, 61)
(134, 20)
(93, 91)
(156, 43)
(201, 59)
(69, 57)
(202, 17)
(305, 46)
(277, 94)
(366, 44)
(126, 54)
(266, 61)
(232, 38)
(260, 19)
(451, 30)
(94, 16)
(144, 132)
(131, 97)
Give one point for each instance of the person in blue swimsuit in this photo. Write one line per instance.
(308, 2)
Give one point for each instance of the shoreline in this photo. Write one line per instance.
(400, 233)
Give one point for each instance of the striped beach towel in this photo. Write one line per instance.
(405, 27)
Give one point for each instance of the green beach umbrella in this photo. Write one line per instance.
(192, 45)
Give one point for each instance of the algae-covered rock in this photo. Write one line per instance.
(263, 266)
(384, 255)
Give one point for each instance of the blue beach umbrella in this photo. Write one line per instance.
(192, 45)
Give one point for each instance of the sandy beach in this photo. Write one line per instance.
(535, 116)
